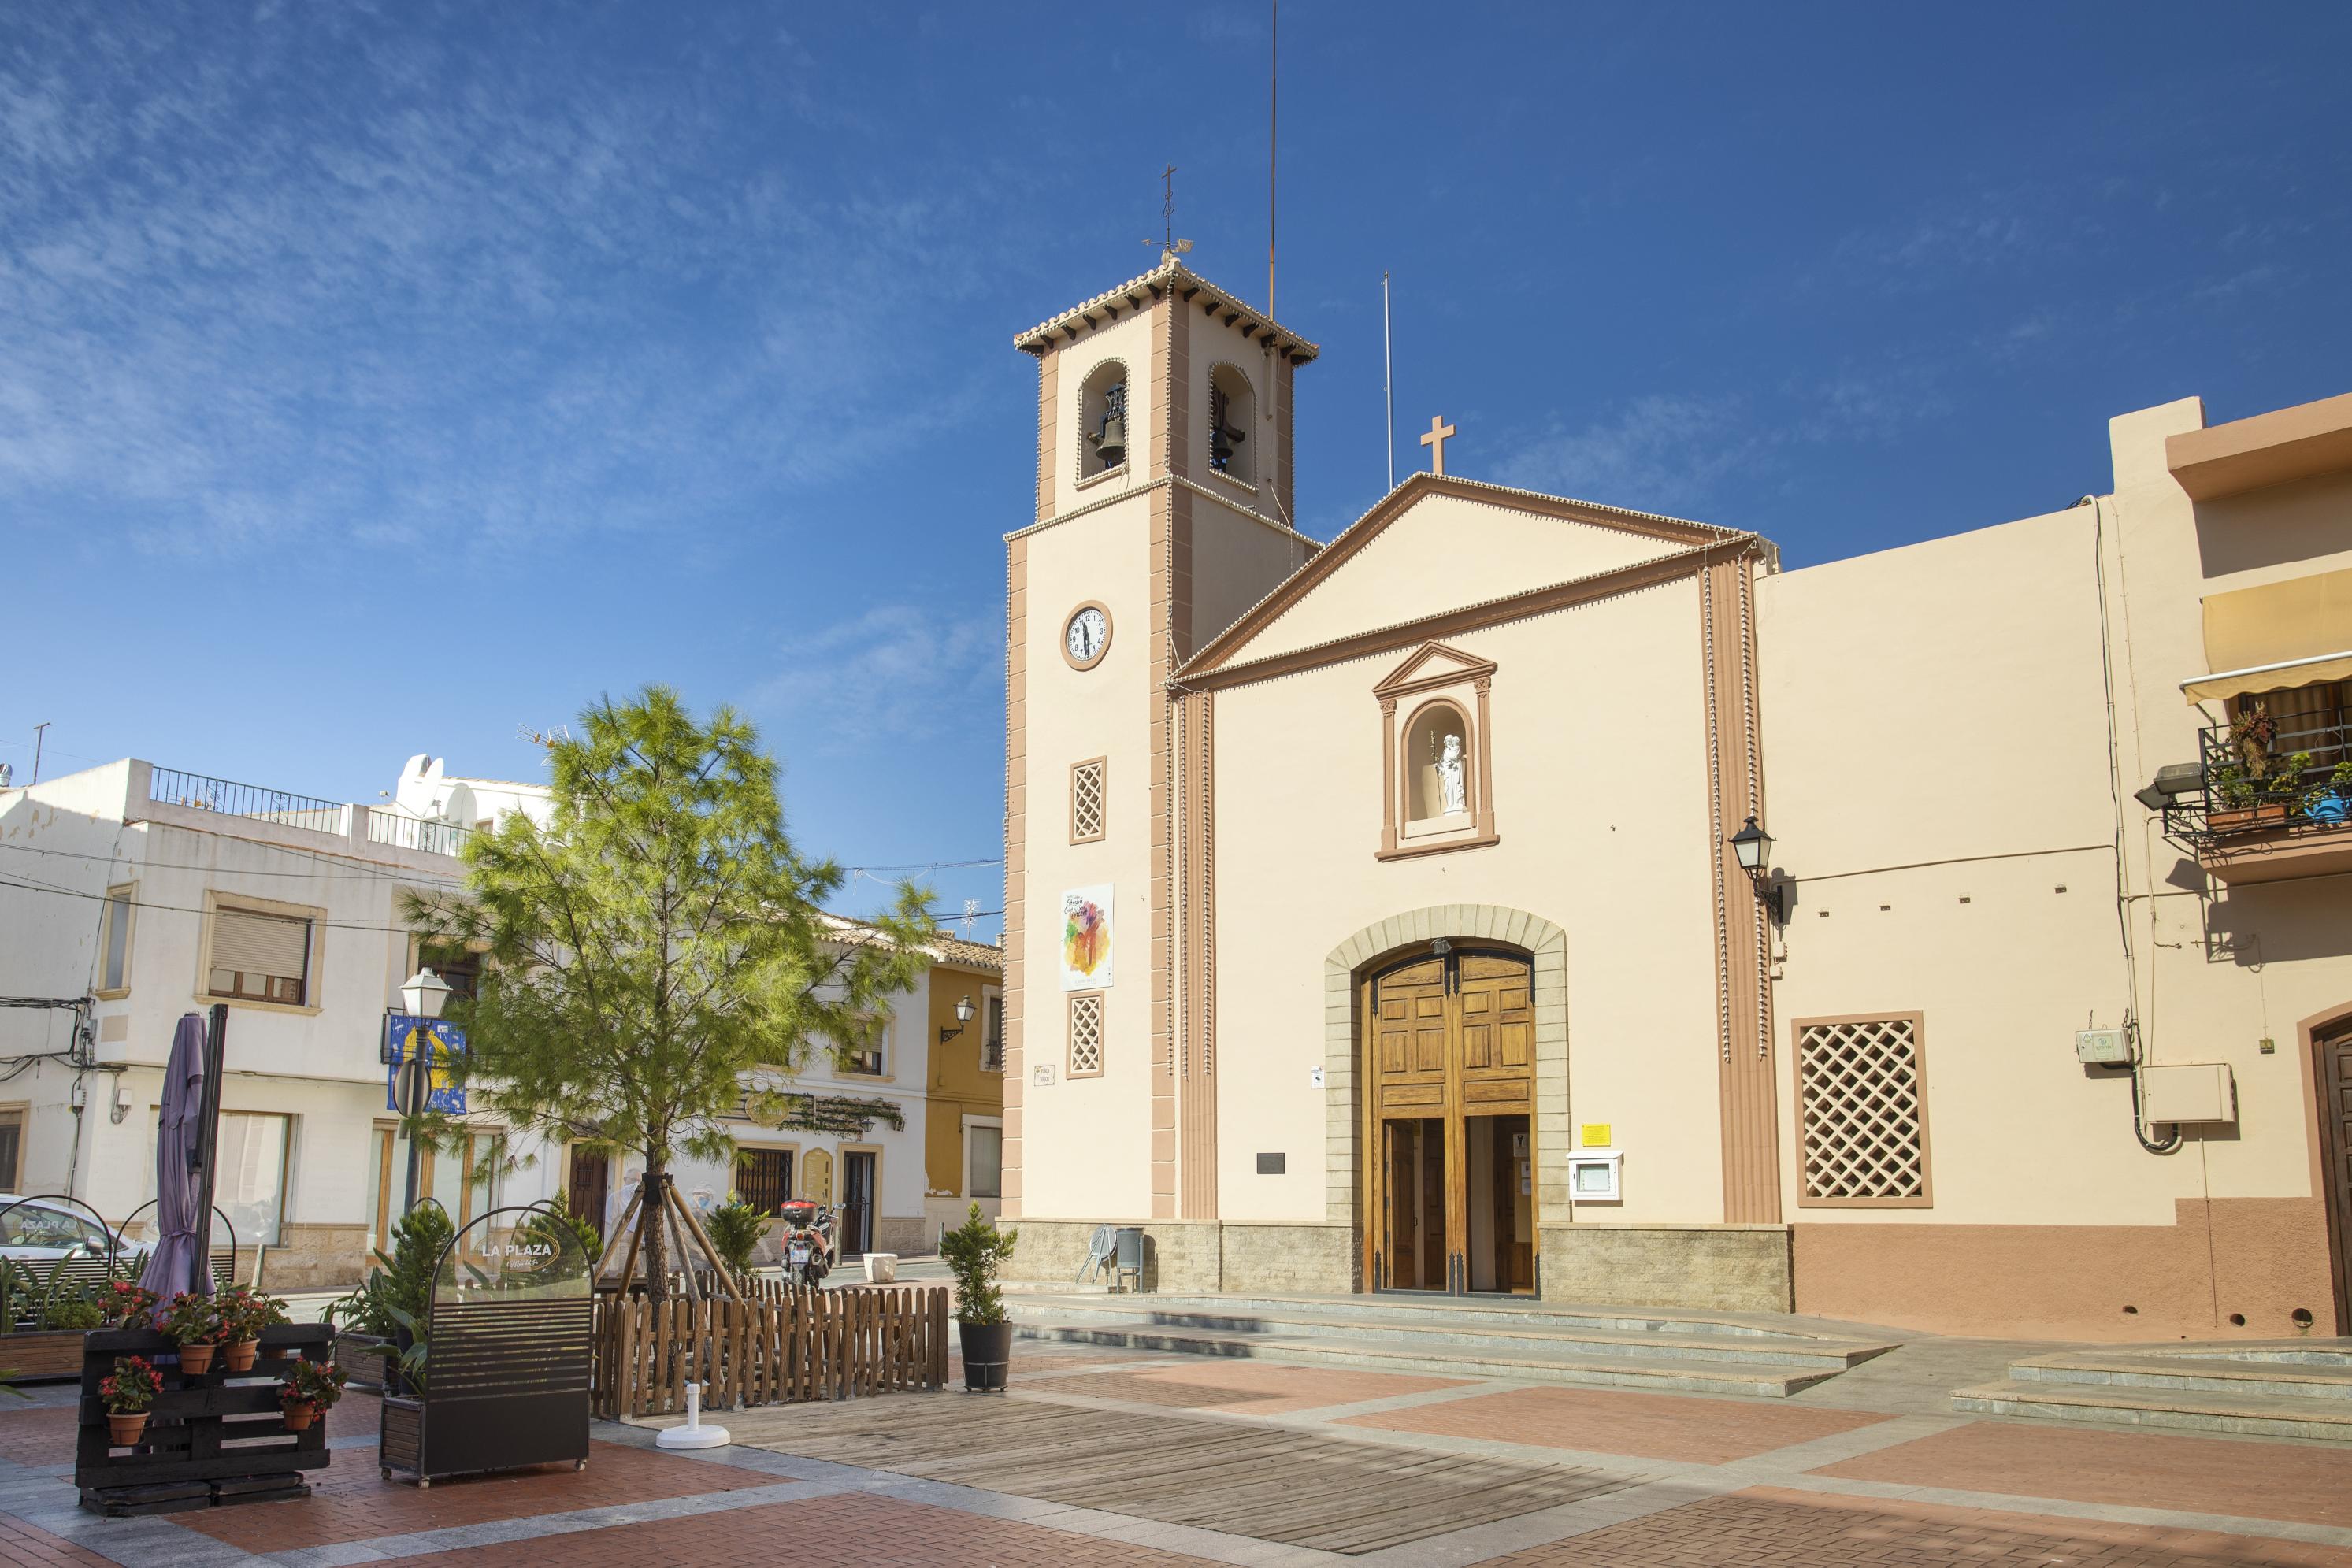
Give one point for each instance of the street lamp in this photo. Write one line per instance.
(425, 995)
(963, 1016)
(1752, 846)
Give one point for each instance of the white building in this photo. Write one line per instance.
(132, 894)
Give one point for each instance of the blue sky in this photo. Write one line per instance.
(381, 379)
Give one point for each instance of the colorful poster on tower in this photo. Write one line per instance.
(1086, 939)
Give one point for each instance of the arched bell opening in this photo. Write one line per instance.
(1233, 404)
(1102, 419)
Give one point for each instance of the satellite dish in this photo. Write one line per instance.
(459, 806)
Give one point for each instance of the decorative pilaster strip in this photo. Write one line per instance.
(1016, 820)
(1049, 381)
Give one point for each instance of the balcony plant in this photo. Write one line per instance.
(191, 1323)
(311, 1387)
(130, 1394)
(975, 1252)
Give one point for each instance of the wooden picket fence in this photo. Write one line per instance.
(800, 1345)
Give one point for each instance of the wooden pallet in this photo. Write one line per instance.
(195, 1422)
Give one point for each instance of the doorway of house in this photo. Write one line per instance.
(2332, 1077)
(591, 1176)
(856, 1203)
(1449, 1054)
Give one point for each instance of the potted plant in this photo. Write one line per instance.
(128, 1305)
(735, 1230)
(191, 1323)
(243, 1313)
(312, 1386)
(76, 1314)
(973, 1252)
(129, 1393)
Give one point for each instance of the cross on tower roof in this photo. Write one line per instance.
(1436, 440)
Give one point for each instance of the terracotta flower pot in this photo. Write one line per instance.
(299, 1414)
(241, 1355)
(196, 1360)
(124, 1431)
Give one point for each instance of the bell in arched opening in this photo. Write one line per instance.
(1109, 437)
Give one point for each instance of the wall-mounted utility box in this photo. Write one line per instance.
(1595, 1175)
(2103, 1047)
(2188, 1091)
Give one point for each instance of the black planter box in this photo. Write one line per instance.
(506, 1388)
(987, 1353)
(192, 1420)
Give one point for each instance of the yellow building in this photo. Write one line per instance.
(963, 1093)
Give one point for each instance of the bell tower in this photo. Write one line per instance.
(1164, 509)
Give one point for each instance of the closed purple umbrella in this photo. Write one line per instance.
(172, 1267)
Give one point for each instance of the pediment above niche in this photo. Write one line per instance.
(1433, 665)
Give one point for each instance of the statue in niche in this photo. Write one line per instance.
(1452, 796)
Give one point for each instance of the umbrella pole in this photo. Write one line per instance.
(207, 1146)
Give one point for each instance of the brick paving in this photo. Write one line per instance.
(1642, 1426)
(842, 1528)
(1258, 1388)
(2305, 1483)
(24, 1545)
(38, 1436)
(1769, 1525)
(352, 1501)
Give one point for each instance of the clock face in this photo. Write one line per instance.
(1086, 637)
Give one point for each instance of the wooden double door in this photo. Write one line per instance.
(2332, 1076)
(1449, 1075)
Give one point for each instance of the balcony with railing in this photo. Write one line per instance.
(2270, 799)
(199, 800)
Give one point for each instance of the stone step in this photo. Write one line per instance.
(1441, 1360)
(1432, 1329)
(2321, 1381)
(1508, 1311)
(2185, 1410)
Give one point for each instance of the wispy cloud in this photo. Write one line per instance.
(326, 273)
(895, 672)
(1664, 451)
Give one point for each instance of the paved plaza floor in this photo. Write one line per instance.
(1117, 1458)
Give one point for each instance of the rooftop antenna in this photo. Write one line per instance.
(37, 738)
(1388, 374)
(971, 914)
(1171, 247)
(545, 738)
(1273, 130)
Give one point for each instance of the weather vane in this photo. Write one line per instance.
(1171, 247)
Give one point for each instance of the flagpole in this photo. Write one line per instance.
(1388, 375)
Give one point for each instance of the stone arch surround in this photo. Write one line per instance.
(1342, 1030)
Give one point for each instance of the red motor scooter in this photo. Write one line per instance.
(808, 1243)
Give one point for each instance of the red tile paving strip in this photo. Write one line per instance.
(42, 1437)
(350, 1501)
(1643, 1425)
(2310, 1485)
(844, 1527)
(1260, 1390)
(24, 1545)
(1769, 1525)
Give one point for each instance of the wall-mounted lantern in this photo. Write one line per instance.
(1753, 847)
(963, 1016)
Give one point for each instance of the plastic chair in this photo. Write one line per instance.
(1102, 1254)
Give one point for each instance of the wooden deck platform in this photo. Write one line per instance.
(1296, 1488)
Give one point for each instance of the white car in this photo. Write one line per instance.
(35, 1236)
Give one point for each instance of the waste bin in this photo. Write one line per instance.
(1130, 1255)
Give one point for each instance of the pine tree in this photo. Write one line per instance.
(659, 938)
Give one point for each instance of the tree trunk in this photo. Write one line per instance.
(651, 1214)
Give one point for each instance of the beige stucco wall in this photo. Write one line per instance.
(1237, 560)
(1086, 1142)
(1443, 554)
(1601, 801)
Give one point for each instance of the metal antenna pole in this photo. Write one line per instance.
(37, 738)
(1388, 375)
(1273, 143)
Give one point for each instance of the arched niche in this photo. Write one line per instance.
(1437, 768)
(1232, 411)
(1437, 753)
(1106, 421)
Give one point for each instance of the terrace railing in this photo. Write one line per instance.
(413, 833)
(196, 792)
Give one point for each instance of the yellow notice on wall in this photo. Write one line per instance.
(1595, 1134)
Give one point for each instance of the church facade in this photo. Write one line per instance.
(1527, 895)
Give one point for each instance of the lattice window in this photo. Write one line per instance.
(1862, 1099)
(1089, 805)
(1086, 1034)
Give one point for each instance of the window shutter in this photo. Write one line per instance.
(255, 944)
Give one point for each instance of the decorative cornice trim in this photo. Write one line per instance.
(1227, 502)
(1137, 294)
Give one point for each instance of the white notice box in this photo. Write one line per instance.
(2188, 1091)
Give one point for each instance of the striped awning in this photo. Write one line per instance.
(2287, 634)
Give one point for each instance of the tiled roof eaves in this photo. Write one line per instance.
(1172, 275)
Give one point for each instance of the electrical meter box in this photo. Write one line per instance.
(2188, 1091)
(2103, 1047)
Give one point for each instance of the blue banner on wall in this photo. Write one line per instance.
(427, 1040)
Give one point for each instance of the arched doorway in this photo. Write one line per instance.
(2331, 1073)
(1449, 1073)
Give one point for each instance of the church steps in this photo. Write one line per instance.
(1443, 1360)
(1508, 1337)
(1503, 1310)
(2297, 1389)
